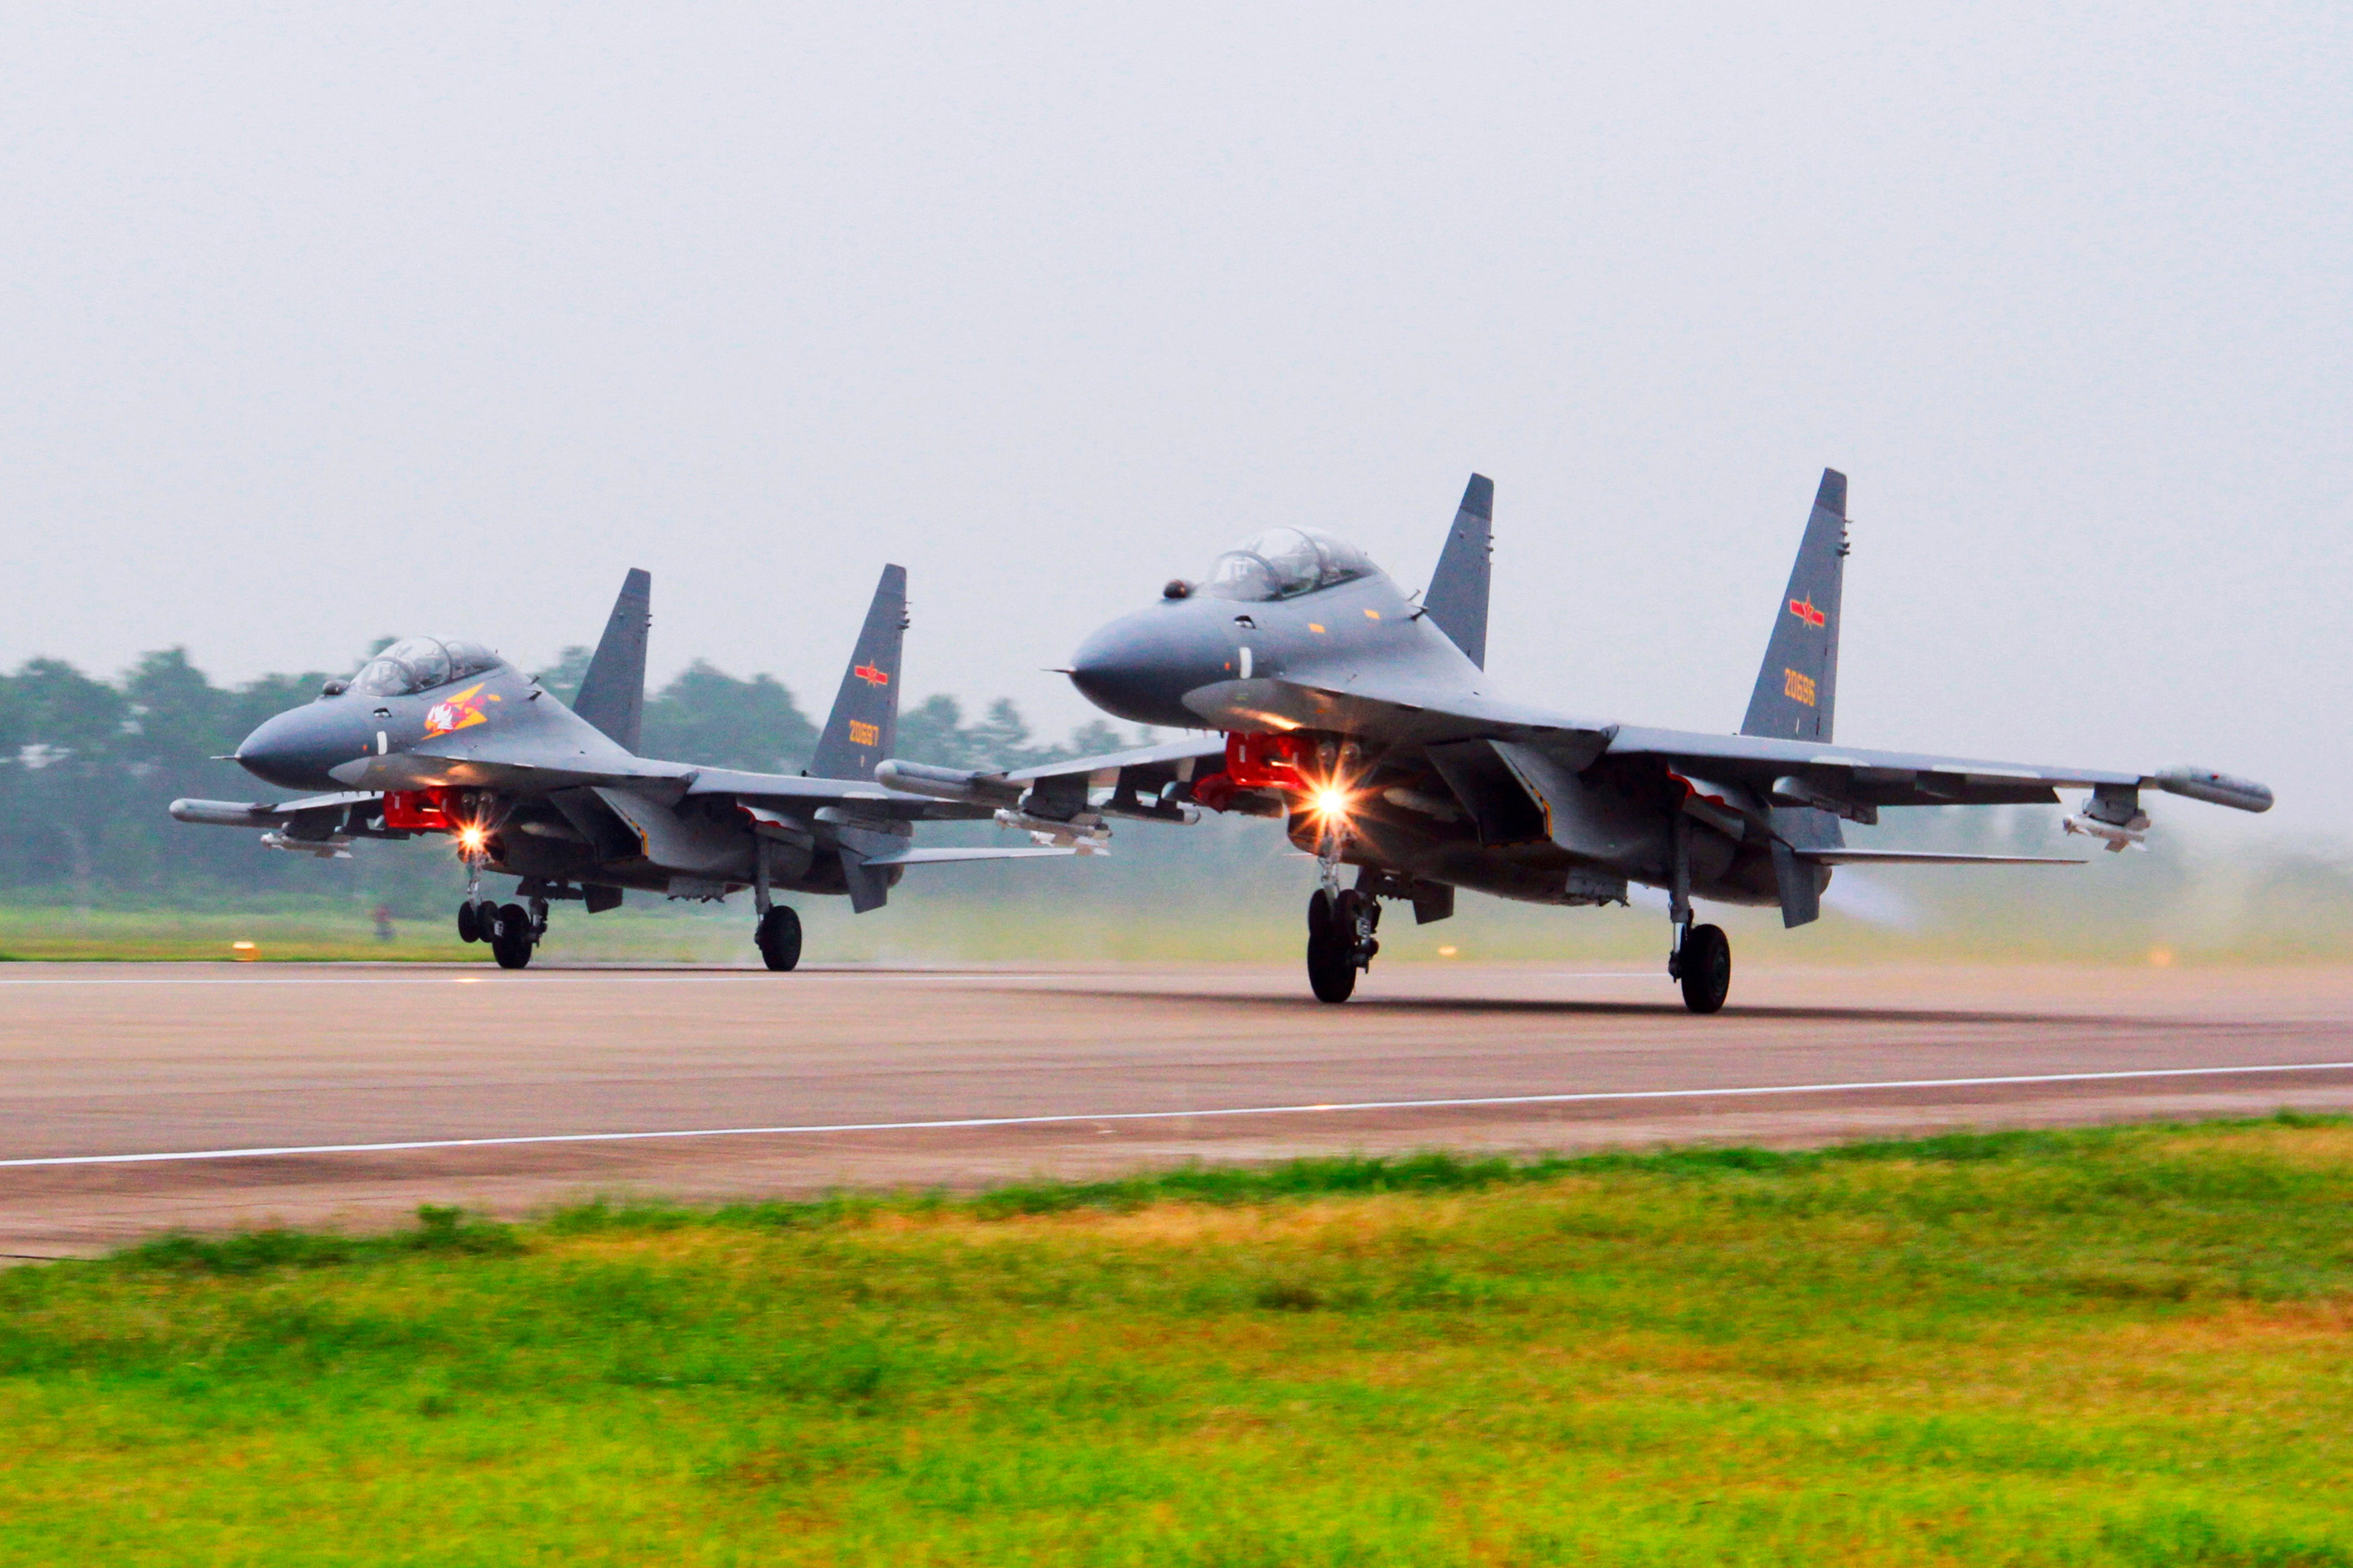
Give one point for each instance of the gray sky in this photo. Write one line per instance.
(325, 323)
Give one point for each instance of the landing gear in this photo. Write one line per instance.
(514, 933)
(1340, 940)
(478, 921)
(778, 934)
(779, 938)
(1340, 921)
(1703, 964)
(1701, 958)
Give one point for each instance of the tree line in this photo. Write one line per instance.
(89, 766)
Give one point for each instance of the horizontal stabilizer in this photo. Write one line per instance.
(1844, 856)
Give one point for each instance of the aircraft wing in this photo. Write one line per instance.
(1850, 775)
(956, 855)
(1054, 798)
(1169, 756)
(323, 810)
(1839, 855)
(488, 759)
(1847, 780)
(1394, 711)
(855, 796)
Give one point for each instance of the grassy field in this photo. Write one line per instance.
(2117, 1347)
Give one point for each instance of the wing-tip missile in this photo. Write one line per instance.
(219, 813)
(2215, 789)
(967, 786)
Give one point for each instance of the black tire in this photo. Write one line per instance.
(1706, 969)
(779, 939)
(1319, 915)
(511, 936)
(469, 929)
(1331, 968)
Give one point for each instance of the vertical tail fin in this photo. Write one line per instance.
(1457, 600)
(1798, 687)
(1797, 692)
(864, 722)
(613, 693)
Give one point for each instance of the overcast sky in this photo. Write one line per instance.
(321, 323)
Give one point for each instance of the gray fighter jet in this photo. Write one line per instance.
(446, 738)
(1368, 722)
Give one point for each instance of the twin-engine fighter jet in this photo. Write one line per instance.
(446, 738)
(1368, 721)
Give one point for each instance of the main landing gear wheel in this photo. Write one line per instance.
(1704, 965)
(469, 926)
(778, 938)
(512, 937)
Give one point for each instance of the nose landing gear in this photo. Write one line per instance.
(513, 934)
(513, 931)
(1340, 921)
(1340, 940)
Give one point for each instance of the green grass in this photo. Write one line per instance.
(307, 931)
(2125, 1346)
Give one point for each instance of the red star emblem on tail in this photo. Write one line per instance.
(1804, 610)
(873, 675)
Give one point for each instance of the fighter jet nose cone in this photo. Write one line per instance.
(1140, 666)
(294, 750)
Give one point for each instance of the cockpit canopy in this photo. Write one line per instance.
(419, 664)
(1284, 562)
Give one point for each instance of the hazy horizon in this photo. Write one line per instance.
(325, 326)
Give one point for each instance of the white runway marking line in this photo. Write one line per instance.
(974, 1121)
(682, 977)
(560, 977)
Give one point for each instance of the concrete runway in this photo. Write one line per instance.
(1029, 1071)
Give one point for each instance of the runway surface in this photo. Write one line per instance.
(135, 1097)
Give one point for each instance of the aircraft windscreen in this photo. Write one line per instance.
(1284, 562)
(419, 664)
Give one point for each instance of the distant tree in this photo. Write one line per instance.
(1094, 737)
(564, 678)
(175, 713)
(708, 716)
(932, 731)
(87, 768)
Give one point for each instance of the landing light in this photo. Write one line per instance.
(1330, 802)
(471, 837)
